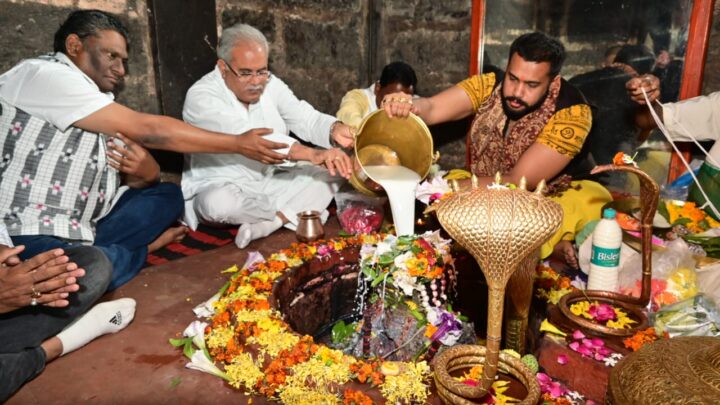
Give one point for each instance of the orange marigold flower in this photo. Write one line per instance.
(354, 397)
(618, 159)
(640, 339)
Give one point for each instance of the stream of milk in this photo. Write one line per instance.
(400, 184)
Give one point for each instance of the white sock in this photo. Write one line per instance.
(249, 232)
(108, 317)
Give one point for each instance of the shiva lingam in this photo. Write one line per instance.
(649, 194)
(503, 230)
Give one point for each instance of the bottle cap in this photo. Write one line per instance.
(609, 213)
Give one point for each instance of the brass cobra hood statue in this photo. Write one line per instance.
(503, 229)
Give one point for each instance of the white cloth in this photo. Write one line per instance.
(211, 105)
(59, 93)
(698, 116)
(4, 237)
(287, 191)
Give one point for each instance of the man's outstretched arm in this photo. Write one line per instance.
(161, 132)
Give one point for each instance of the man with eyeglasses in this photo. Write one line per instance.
(65, 143)
(239, 95)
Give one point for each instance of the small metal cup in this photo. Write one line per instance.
(309, 227)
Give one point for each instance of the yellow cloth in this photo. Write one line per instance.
(353, 107)
(579, 208)
(566, 130)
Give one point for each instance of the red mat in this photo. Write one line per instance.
(203, 239)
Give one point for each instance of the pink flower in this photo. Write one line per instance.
(577, 335)
(470, 382)
(597, 342)
(574, 346)
(562, 359)
(547, 385)
(602, 312)
(585, 351)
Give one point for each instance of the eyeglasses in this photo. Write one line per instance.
(246, 75)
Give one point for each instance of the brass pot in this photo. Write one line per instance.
(382, 140)
(309, 227)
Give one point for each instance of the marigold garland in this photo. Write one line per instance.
(256, 351)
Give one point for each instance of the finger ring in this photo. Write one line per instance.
(33, 302)
(35, 293)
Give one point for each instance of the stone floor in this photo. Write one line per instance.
(138, 365)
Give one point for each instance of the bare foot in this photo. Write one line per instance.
(174, 234)
(565, 251)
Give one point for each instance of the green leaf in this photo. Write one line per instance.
(682, 221)
(224, 288)
(417, 315)
(377, 280)
(369, 272)
(180, 342)
(662, 209)
(175, 381)
(344, 234)
(188, 350)
(386, 258)
(341, 331)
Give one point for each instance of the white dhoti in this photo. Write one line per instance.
(284, 191)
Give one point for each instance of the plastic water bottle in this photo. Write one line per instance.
(605, 260)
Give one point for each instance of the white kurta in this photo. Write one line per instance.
(698, 116)
(233, 189)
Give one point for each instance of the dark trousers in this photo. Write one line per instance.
(23, 330)
(138, 218)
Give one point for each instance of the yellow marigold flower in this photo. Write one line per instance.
(553, 296)
(244, 372)
(273, 342)
(319, 373)
(269, 325)
(408, 386)
(581, 309)
(254, 315)
(623, 320)
(219, 337)
(411, 305)
(298, 395)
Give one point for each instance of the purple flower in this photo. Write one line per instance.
(449, 328)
